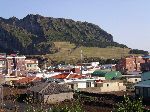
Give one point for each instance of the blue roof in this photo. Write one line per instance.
(146, 56)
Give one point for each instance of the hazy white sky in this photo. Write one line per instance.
(127, 20)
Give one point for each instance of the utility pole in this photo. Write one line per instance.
(81, 60)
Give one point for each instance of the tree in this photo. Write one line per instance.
(137, 51)
(129, 105)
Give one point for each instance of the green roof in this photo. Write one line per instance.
(99, 73)
(107, 74)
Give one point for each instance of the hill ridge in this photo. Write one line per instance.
(36, 34)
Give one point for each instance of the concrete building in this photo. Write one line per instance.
(145, 66)
(32, 65)
(80, 83)
(132, 78)
(142, 89)
(130, 64)
(106, 75)
(106, 86)
(111, 85)
(16, 65)
(2, 63)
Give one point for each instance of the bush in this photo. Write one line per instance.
(129, 105)
(75, 106)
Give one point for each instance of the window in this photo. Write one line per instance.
(107, 85)
(88, 84)
(72, 86)
(2, 62)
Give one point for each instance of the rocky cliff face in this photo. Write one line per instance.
(34, 34)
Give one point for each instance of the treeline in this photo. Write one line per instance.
(136, 51)
(100, 60)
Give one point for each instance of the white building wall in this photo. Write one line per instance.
(82, 85)
(92, 84)
(101, 78)
(133, 80)
(112, 86)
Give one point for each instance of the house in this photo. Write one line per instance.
(50, 93)
(111, 85)
(26, 80)
(32, 65)
(87, 68)
(75, 81)
(132, 78)
(106, 75)
(109, 66)
(45, 75)
(68, 75)
(106, 86)
(80, 83)
(64, 68)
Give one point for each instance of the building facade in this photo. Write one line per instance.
(15, 65)
(2, 63)
(32, 65)
(130, 64)
(142, 89)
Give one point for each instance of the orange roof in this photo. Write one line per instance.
(28, 80)
(61, 76)
(67, 76)
(75, 76)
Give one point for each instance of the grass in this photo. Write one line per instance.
(67, 53)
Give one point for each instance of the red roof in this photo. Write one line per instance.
(67, 76)
(74, 76)
(61, 76)
(28, 80)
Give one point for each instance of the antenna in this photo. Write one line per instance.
(81, 60)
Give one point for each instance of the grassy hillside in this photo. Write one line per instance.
(68, 53)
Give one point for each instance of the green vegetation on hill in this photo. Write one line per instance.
(137, 51)
(70, 54)
(35, 34)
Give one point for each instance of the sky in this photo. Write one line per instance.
(127, 20)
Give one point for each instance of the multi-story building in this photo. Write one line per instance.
(32, 65)
(130, 64)
(145, 67)
(15, 65)
(2, 63)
